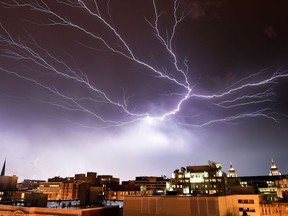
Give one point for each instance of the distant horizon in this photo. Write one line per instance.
(120, 179)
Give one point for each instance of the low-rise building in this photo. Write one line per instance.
(8, 185)
(8, 210)
(52, 189)
(148, 184)
(191, 205)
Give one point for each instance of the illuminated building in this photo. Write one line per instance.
(199, 180)
(108, 182)
(274, 209)
(273, 188)
(231, 172)
(274, 170)
(282, 189)
(150, 184)
(53, 190)
(89, 189)
(121, 194)
(69, 188)
(142, 185)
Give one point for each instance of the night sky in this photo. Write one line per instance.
(118, 88)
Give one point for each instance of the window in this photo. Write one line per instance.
(250, 201)
(248, 209)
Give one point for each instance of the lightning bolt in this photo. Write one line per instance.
(29, 51)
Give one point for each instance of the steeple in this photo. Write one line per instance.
(3, 168)
(232, 172)
(274, 170)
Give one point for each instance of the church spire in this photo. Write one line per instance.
(3, 168)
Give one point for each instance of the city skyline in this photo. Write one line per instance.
(85, 86)
(273, 170)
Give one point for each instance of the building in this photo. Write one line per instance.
(231, 172)
(89, 188)
(29, 184)
(267, 185)
(121, 194)
(8, 185)
(225, 205)
(108, 182)
(282, 189)
(8, 210)
(149, 184)
(142, 185)
(273, 169)
(53, 190)
(34, 199)
(192, 205)
(69, 188)
(274, 209)
(199, 180)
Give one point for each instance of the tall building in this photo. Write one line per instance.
(274, 170)
(231, 172)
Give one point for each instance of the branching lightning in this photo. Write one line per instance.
(236, 96)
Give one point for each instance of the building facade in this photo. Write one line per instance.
(8, 185)
(199, 180)
(192, 205)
